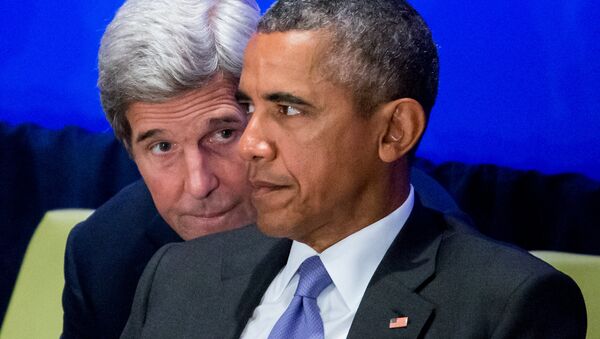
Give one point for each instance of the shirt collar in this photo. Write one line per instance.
(352, 261)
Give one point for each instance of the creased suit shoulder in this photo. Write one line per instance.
(205, 288)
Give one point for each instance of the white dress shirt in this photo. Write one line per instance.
(350, 263)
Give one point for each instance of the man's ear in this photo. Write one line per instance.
(405, 120)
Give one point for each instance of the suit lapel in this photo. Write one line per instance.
(247, 272)
(393, 291)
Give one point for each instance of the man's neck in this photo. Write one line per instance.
(391, 193)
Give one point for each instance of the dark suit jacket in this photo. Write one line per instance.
(448, 280)
(107, 253)
(105, 257)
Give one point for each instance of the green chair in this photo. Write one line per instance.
(35, 309)
(585, 270)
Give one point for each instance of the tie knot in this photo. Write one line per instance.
(313, 278)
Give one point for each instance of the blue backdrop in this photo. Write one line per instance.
(519, 79)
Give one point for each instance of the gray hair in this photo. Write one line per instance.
(381, 50)
(154, 50)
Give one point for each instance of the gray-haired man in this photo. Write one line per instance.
(168, 74)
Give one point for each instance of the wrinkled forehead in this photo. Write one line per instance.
(197, 110)
(218, 85)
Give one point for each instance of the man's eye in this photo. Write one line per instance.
(289, 110)
(161, 147)
(247, 107)
(222, 136)
(226, 133)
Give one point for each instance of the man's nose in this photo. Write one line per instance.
(200, 178)
(254, 144)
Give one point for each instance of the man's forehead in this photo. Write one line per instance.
(207, 107)
(283, 58)
(213, 91)
(296, 43)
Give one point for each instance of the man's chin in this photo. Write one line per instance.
(273, 228)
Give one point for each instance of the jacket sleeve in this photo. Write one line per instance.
(549, 305)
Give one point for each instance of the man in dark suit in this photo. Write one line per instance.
(339, 93)
(168, 74)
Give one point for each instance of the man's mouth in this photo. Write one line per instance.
(216, 214)
(262, 187)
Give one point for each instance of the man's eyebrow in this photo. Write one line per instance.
(289, 98)
(223, 121)
(241, 96)
(148, 134)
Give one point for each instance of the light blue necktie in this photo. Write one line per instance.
(301, 320)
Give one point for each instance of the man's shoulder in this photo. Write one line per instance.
(133, 204)
(127, 225)
(209, 260)
(126, 213)
(243, 246)
(105, 256)
(502, 286)
(495, 270)
(485, 256)
(215, 277)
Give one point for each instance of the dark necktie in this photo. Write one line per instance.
(302, 318)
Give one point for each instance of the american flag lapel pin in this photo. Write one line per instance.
(399, 322)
